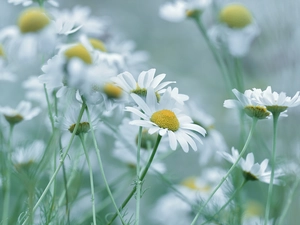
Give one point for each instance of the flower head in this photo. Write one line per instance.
(249, 103)
(22, 112)
(24, 156)
(252, 171)
(235, 30)
(163, 118)
(277, 102)
(145, 81)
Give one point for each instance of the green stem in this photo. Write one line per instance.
(219, 61)
(5, 213)
(61, 161)
(228, 173)
(289, 202)
(270, 190)
(101, 167)
(143, 174)
(239, 74)
(229, 200)
(49, 107)
(91, 178)
(138, 184)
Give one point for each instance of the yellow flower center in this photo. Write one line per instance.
(2, 54)
(236, 16)
(142, 92)
(253, 208)
(97, 44)
(260, 112)
(83, 127)
(165, 119)
(14, 119)
(33, 20)
(112, 91)
(79, 51)
(191, 183)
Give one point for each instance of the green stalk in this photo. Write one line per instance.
(228, 201)
(101, 167)
(270, 190)
(49, 107)
(91, 178)
(228, 173)
(139, 182)
(143, 174)
(5, 213)
(289, 202)
(219, 61)
(61, 161)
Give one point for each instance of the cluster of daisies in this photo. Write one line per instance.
(78, 76)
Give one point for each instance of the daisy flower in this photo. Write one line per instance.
(277, 102)
(146, 80)
(23, 111)
(248, 102)
(235, 30)
(78, 20)
(251, 170)
(180, 10)
(163, 118)
(35, 91)
(30, 40)
(126, 146)
(24, 156)
(67, 121)
(178, 208)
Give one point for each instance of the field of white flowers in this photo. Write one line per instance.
(180, 112)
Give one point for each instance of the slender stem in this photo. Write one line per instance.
(228, 201)
(228, 173)
(138, 184)
(239, 74)
(289, 202)
(143, 174)
(5, 213)
(220, 63)
(91, 177)
(49, 107)
(61, 160)
(101, 167)
(270, 190)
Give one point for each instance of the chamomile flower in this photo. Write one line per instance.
(24, 156)
(180, 9)
(79, 21)
(178, 207)
(277, 102)
(235, 30)
(30, 2)
(30, 40)
(248, 102)
(145, 80)
(67, 121)
(252, 171)
(23, 111)
(163, 118)
(126, 146)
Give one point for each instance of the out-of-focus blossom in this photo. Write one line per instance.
(251, 170)
(235, 31)
(23, 111)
